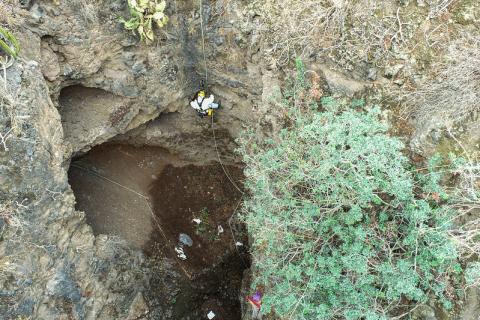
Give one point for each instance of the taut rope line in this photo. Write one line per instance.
(215, 138)
(206, 83)
(144, 197)
(221, 163)
(203, 44)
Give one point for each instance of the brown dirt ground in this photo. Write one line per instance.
(211, 277)
(111, 209)
(184, 193)
(179, 195)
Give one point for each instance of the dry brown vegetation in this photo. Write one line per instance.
(454, 90)
(439, 7)
(10, 120)
(350, 33)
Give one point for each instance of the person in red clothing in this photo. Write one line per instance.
(255, 301)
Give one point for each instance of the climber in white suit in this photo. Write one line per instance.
(204, 106)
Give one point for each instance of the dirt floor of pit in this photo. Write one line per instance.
(149, 197)
(100, 180)
(199, 201)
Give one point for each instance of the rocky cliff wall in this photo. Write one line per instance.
(83, 80)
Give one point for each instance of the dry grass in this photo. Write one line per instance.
(454, 93)
(9, 214)
(6, 108)
(295, 27)
(439, 7)
(353, 33)
(346, 31)
(467, 223)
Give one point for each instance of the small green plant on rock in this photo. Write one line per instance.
(144, 14)
(206, 229)
(201, 228)
(8, 45)
(472, 274)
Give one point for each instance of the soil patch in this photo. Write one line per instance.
(107, 182)
(199, 201)
(149, 198)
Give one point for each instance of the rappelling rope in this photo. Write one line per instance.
(98, 175)
(216, 145)
(157, 223)
(221, 163)
(206, 83)
(203, 44)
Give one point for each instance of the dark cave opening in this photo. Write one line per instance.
(173, 211)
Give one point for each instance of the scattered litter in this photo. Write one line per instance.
(185, 239)
(197, 221)
(238, 244)
(211, 315)
(180, 253)
(220, 229)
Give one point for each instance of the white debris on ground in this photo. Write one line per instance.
(197, 221)
(220, 229)
(211, 315)
(238, 244)
(180, 253)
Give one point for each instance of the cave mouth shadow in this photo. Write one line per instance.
(86, 109)
(150, 197)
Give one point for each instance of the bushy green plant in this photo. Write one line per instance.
(8, 43)
(343, 227)
(144, 13)
(472, 273)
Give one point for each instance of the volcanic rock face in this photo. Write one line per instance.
(83, 81)
(52, 265)
(85, 57)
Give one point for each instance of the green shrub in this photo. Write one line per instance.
(472, 273)
(144, 13)
(342, 226)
